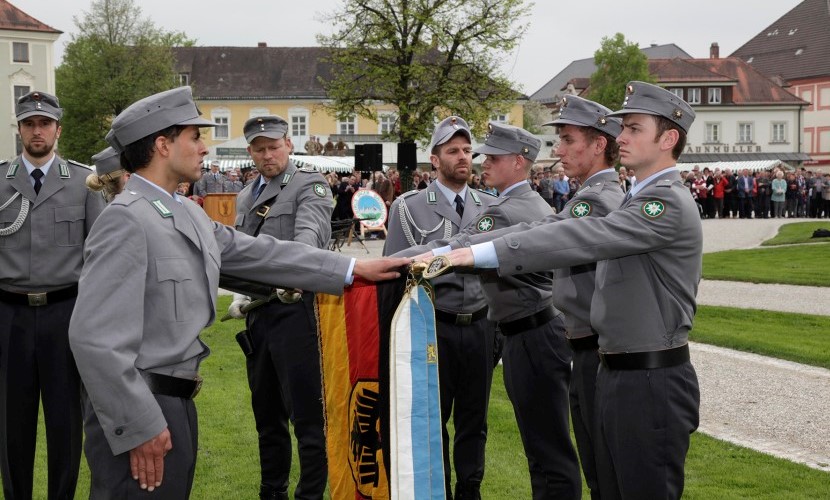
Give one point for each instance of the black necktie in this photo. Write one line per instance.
(459, 206)
(259, 190)
(37, 174)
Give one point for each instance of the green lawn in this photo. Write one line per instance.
(766, 332)
(798, 232)
(228, 464)
(791, 265)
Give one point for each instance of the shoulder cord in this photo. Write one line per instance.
(18, 223)
(406, 216)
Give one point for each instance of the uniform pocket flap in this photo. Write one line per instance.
(70, 214)
(172, 269)
(281, 209)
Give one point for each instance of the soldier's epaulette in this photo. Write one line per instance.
(308, 169)
(487, 193)
(3, 162)
(79, 164)
(667, 183)
(126, 198)
(409, 193)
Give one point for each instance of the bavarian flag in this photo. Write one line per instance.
(356, 332)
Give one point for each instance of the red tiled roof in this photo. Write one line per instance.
(12, 18)
(749, 86)
(795, 46)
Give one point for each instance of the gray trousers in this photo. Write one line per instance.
(110, 474)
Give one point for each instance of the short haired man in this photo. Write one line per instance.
(48, 212)
(232, 184)
(290, 204)
(647, 252)
(466, 337)
(211, 182)
(148, 288)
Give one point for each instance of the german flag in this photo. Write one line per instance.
(355, 358)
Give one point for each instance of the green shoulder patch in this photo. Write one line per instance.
(581, 209)
(320, 190)
(160, 208)
(653, 209)
(485, 224)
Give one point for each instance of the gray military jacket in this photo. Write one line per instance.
(648, 255)
(428, 210)
(208, 184)
(301, 211)
(149, 287)
(46, 253)
(514, 297)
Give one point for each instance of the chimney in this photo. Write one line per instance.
(714, 51)
(262, 44)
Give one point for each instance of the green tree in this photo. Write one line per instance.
(428, 58)
(618, 62)
(116, 58)
(535, 114)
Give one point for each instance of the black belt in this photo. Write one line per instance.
(584, 343)
(461, 319)
(645, 360)
(528, 322)
(176, 387)
(36, 299)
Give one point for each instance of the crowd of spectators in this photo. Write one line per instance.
(762, 194)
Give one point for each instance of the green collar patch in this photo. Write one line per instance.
(160, 208)
(581, 209)
(485, 224)
(320, 190)
(431, 198)
(64, 171)
(476, 199)
(653, 209)
(12, 170)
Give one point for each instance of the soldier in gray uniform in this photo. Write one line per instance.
(536, 355)
(210, 182)
(148, 288)
(648, 255)
(465, 336)
(290, 204)
(46, 212)
(109, 177)
(233, 184)
(588, 151)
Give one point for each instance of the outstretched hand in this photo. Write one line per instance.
(386, 268)
(461, 257)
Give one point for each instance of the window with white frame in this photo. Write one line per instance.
(779, 132)
(183, 79)
(20, 91)
(387, 123)
(744, 132)
(20, 52)
(347, 125)
(693, 95)
(677, 91)
(257, 112)
(499, 117)
(714, 95)
(712, 132)
(299, 125)
(222, 118)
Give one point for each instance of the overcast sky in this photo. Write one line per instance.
(558, 33)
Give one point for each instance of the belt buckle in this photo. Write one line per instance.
(463, 319)
(263, 210)
(198, 387)
(37, 299)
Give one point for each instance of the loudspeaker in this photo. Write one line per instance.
(407, 157)
(368, 157)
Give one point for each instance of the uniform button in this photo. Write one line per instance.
(467, 244)
(119, 431)
(514, 244)
(518, 268)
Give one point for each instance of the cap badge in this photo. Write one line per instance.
(36, 96)
(630, 89)
(677, 114)
(564, 101)
(525, 150)
(489, 127)
(603, 121)
(453, 121)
